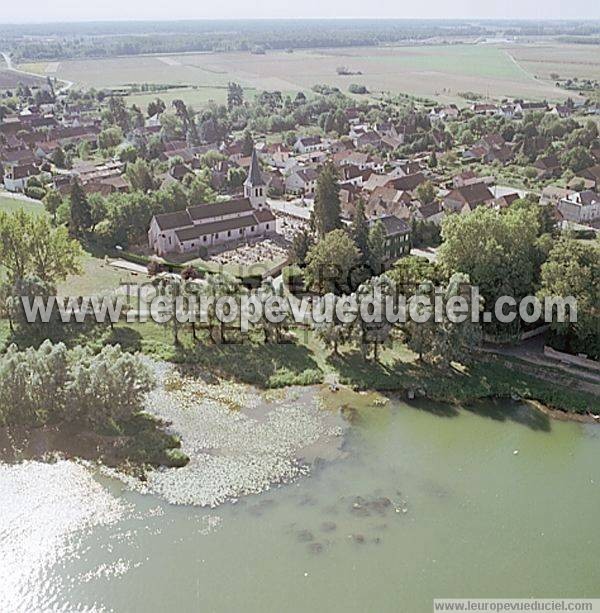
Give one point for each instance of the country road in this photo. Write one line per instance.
(9, 65)
(7, 60)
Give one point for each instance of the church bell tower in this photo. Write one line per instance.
(254, 186)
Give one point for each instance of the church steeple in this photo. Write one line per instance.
(254, 186)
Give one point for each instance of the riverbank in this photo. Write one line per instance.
(560, 415)
(306, 361)
(73, 539)
(239, 440)
(154, 440)
(489, 377)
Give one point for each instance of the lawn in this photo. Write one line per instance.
(9, 204)
(97, 277)
(440, 71)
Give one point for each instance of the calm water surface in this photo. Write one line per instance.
(468, 517)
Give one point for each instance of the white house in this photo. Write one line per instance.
(582, 207)
(306, 144)
(17, 175)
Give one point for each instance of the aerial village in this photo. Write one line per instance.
(235, 184)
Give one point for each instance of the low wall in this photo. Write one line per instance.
(535, 332)
(514, 338)
(276, 270)
(571, 359)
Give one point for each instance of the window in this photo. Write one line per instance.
(204, 238)
(252, 229)
(241, 231)
(228, 232)
(267, 226)
(216, 235)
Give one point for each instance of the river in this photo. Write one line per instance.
(426, 502)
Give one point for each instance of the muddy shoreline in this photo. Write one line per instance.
(560, 415)
(225, 428)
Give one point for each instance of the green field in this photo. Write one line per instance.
(194, 96)
(97, 276)
(567, 61)
(440, 71)
(9, 204)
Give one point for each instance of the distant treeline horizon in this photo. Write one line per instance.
(55, 41)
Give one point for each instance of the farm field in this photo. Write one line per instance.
(10, 79)
(567, 61)
(195, 96)
(440, 71)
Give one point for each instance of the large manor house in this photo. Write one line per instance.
(217, 223)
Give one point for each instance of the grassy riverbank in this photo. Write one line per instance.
(304, 360)
(307, 361)
(488, 377)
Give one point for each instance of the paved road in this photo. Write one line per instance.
(430, 253)
(18, 196)
(10, 66)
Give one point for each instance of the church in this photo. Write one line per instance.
(215, 224)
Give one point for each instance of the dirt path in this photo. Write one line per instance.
(550, 370)
(536, 79)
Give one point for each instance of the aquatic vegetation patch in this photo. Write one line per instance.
(238, 442)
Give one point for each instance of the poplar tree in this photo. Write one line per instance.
(326, 214)
(81, 214)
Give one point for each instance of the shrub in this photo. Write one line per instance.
(37, 193)
(355, 88)
(189, 272)
(39, 386)
(154, 268)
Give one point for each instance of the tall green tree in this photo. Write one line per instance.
(31, 246)
(426, 192)
(200, 191)
(81, 214)
(156, 107)
(52, 200)
(330, 263)
(301, 245)
(59, 158)
(373, 334)
(440, 338)
(140, 177)
(235, 95)
(360, 231)
(186, 115)
(377, 238)
(497, 250)
(326, 212)
(247, 143)
(573, 269)
(110, 137)
(117, 114)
